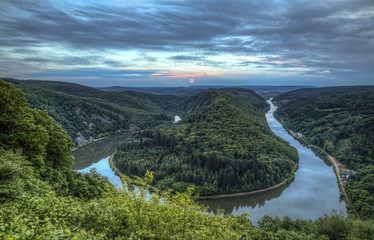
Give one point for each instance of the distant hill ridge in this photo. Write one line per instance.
(320, 92)
(195, 89)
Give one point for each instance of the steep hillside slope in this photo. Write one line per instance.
(223, 145)
(35, 153)
(87, 113)
(89, 118)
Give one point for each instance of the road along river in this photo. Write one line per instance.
(313, 193)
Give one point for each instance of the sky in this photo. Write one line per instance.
(184, 43)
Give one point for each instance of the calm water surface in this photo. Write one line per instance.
(104, 169)
(96, 155)
(312, 194)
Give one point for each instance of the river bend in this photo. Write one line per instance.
(313, 193)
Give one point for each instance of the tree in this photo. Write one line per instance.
(329, 147)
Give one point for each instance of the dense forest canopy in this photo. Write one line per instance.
(87, 113)
(131, 99)
(223, 145)
(319, 92)
(42, 198)
(36, 152)
(343, 125)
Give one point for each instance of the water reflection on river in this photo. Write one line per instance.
(95, 151)
(104, 169)
(312, 194)
(96, 155)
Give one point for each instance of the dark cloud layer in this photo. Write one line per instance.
(337, 35)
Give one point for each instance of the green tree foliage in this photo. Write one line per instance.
(18, 177)
(130, 214)
(130, 99)
(37, 204)
(34, 148)
(344, 126)
(223, 146)
(31, 131)
(328, 227)
(319, 92)
(88, 112)
(116, 215)
(329, 147)
(361, 191)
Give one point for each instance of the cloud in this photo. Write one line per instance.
(334, 35)
(88, 72)
(183, 58)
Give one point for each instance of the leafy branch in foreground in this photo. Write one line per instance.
(125, 214)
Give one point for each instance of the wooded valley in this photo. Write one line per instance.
(43, 198)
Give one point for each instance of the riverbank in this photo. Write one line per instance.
(243, 194)
(219, 196)
(336, 164)
(115, 169)
(337, 172)
(96, 150)
(75, 148)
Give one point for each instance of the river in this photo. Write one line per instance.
(96, 155)
(313, 193)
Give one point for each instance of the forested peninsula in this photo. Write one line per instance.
(224, 145)
(343, 126)
(42, 198)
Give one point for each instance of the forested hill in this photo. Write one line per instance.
(193, 104)
(35, 153)
(223, 146)
(87, 113)
(42, 198)
(319, 92)
(344, 126)
(138, 100)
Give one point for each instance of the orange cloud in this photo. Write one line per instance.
(196, 75)
(175, 74)
(186, 75)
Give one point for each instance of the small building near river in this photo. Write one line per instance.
(347, 174)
